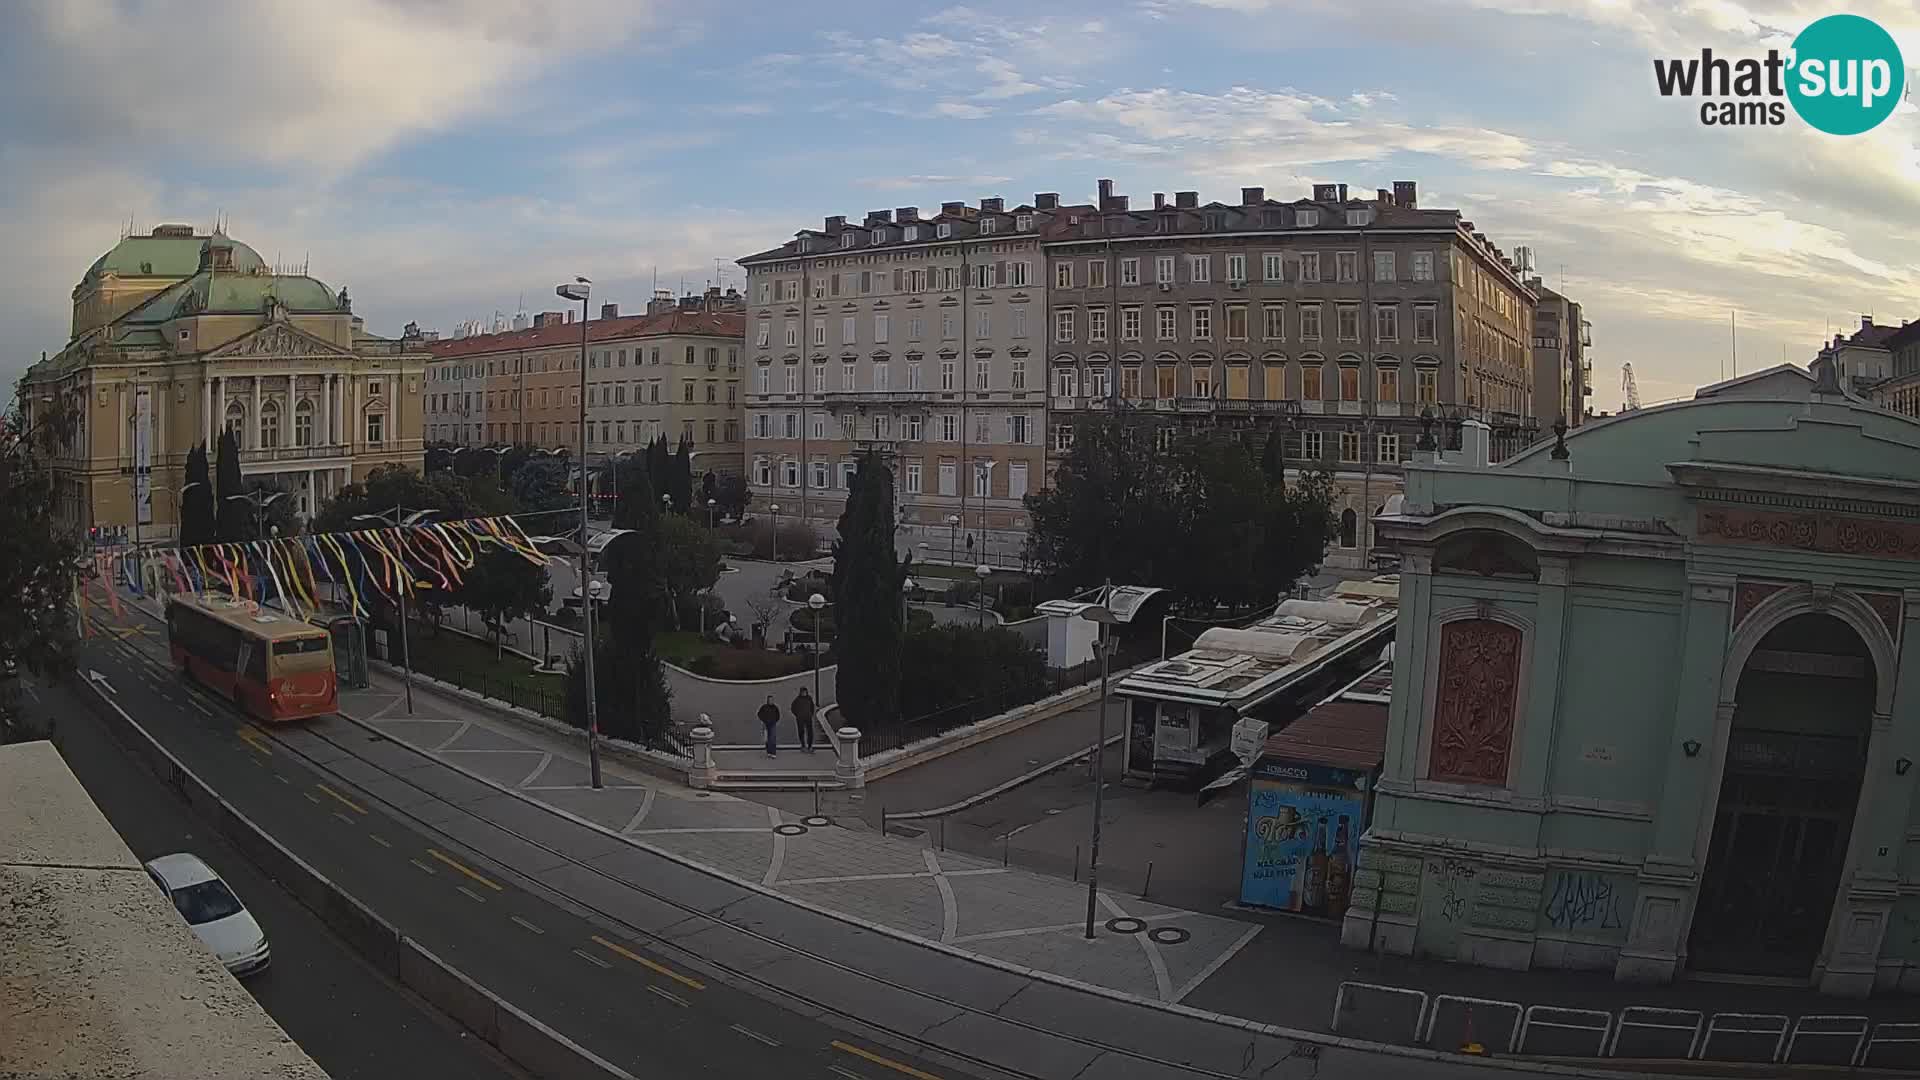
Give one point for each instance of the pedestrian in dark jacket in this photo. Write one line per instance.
(770, 719)
(803, 715)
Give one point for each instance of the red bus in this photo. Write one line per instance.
(272, 666)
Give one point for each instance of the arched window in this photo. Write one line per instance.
(303, 424)
(237, 422)
(1349, 526)
(269, 425)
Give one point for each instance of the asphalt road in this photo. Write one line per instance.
(353, 1021)
(597, 985)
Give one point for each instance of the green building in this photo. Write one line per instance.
(1646, 710)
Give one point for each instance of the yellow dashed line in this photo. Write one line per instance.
(896, 1066)
(457, 865)
(659, 969)
(252, 737)
(342, 799)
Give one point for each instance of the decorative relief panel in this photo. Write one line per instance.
(1474, 703)
(1822, 532)
(1748, 595)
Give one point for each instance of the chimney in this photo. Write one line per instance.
(1343, 193)
(1382, 196)
(994, 205)
(884, 217)
(609, 311)
(1186, 200)
(1106, 192)
(1866, 322)
(1119, 203)
(836, 222)
(1252, 196)
(1325, 192)
(1047, 200)
(952, 207)
(1159, 200)
(906, 215)
(1404, 194)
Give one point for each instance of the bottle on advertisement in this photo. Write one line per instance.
(1339, 871)
(1316, 889)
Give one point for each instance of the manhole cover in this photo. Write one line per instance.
(790, 829)
(1126, 924)
(817, 821)
(1167, 935)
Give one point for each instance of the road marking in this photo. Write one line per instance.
(658, 969)
(252, 736)
(755, 1036)
(591, 959)
(311, 797)
(195, 702)
(526, 924)
(281, 778)
(669, 995)
(343, 817)
(842, 1072)
(471, 895)
(457, 865)
(421, 865)
(342, 799)
(896, 1066)
(379, 840)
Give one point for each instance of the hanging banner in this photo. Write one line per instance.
(143, 456)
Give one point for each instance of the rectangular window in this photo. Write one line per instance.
(1199, 268)
(792, 333)
(880, 329)
(1306, 219)
(1383, 268)
(1236, 322)
(1388, 449)
(819, 378)
(1017, 274)
(1167, 323)
(1202, 381)
(1019, 374)
(1020, 321)
(1202, 323)
(982, 479)
(765, 335)
(1389, 390)
(982, 428)
(913, 476)
(1426, 319)
(1062, 438)
(1346, 265)
(982, 374)
(1096, 273)
(1017, 480)
(910, 427)
(1347, 322)
(819, 471)
(1066, 382)
(1063, 325)
(983, 276)
(848, 333)
(916, 328)
(1386, 322)
(686, 391)
(818, 426)
(1423, 266)
(881, 380)
(1237, 268)
(1273, 322)
(763, 472)
(947, 327)
(1063, 275)
(790, 471)
(1097, 384)
(1163, 269)
(913, 375)
(1349, 446)
(1349, 382)
(1096, 324)
(1129, 324)
(376, 429)
(1129, 271)
(1309, 266)
(1130, 382)
(949, 477)
(946, 376)
(949, 427)
(848, 377)
(1426, 382)
(1310, 374)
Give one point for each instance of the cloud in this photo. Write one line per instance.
(960, 110)
(889, 183)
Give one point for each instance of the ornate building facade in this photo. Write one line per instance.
(1654, 706)
(177, 336)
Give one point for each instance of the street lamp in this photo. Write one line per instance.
(259, 499)
(817, 603)
(1104, 616)
(580, 289)
(711, 505)
(953, 539)
(773, 533)
(906, 588)
(981, 572)
(401, 518)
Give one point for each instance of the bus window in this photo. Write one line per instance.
(294, 646)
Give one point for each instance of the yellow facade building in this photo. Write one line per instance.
(177, 335)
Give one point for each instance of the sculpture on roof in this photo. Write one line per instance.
(346, 302)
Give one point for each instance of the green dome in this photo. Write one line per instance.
(171, 251)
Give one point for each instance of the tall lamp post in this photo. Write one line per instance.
(906, 589)
(982, 571)
(1103, 615)
(818, 604)
(401, 517)
(773, 532)
(953, 539)
(580, 289)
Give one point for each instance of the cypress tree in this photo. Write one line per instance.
(1273, 459)
(633, 698)
(680, 477)
(234, 516)
(867, 577)
(196, 502)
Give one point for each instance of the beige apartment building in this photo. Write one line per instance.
(922, 338)
(177, 335)
(1337, 321)
(1900, 391)
(676, 372)
(1562, 370)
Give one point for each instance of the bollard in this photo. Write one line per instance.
(1004, 841)
(1467, 1044)
(883, 819)
(816, 798)
(943, 834)
(1076, 862)
(1144, 889)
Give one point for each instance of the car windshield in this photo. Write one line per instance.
(205, 902)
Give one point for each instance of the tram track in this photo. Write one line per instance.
(741, 977)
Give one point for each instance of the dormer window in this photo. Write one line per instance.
(1023, 223)
(1358, 218)
(988, 225)
(879, 237)
(846, 239)
(913, 233)
(943, 230)
(1306, 219)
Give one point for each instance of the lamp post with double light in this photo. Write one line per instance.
(580, 289)
(817, 604)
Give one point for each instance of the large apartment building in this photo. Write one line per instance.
(920, 337)
(675, 372)
(1335, 320)
(1562, 370)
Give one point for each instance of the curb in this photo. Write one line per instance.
(1298, 1035)
(503, 1025)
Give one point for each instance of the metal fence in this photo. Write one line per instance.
(941, 721)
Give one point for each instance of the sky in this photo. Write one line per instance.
(446, 159)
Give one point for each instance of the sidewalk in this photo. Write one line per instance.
(966, 773)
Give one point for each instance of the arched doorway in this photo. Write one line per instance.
(1796, 753)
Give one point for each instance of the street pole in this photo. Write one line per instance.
(586, 593)
(1099, 773)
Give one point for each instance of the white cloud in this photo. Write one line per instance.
(960, 110)
(888, 183)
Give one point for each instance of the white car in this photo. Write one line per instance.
(219, 919)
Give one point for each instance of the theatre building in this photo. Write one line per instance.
(1647, 712)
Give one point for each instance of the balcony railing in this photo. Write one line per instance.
(257, 455)
(877, 397)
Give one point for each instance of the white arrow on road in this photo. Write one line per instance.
(95, 676)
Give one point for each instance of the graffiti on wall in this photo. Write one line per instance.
(1452, 884)
(1586, 901)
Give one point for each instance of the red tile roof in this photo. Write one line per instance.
(715, 324)
(1343, 734)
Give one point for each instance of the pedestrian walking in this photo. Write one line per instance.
(803, 715)
(770, 719)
